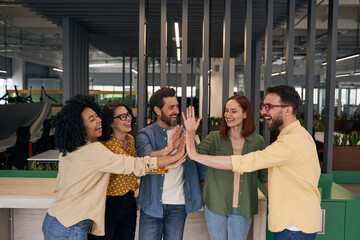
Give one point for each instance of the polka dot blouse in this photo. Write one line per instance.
(120, 184)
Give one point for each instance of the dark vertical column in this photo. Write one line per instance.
(123, 78)
(247, 49)
(192, 80)
(268, 57)
(75, 59)
(289, 65)
(142, 48)
(184, 55)
(176, 75)
(226, 51)
(67, 63)
(163, 44)
(255, 86)
(330, 86)
(169, 72)
(153, 85)
(131, 82)
(205, 69)
(310, 62)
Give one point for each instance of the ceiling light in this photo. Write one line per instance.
(275, 74)
(283, 72)
(343, 75)
(177, 34)
(3, 71)
(134, 71)
(344, 58)
(356, 73)
(57, 69)
(178, 54)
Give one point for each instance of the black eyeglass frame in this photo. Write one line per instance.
(123, 116)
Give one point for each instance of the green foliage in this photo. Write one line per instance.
(341, 117)
(319, 127)
(34, 166)
(351, 139)
(344, 140)
(354, 139)
(355, 117)
(336, 140)
(300, 120)
(316, 116)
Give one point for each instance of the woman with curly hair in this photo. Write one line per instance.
(120, 211)
(84, 169)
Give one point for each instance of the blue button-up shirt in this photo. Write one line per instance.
(153, 138)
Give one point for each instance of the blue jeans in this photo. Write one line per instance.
(170, 226)
(54, 230)
(223, 227)
(293, 235)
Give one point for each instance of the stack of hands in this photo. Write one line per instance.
(178, 141)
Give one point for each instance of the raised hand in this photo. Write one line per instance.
(175, 139)
(180, 151)
(190, 122)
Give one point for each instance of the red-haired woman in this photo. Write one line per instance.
(230, 198)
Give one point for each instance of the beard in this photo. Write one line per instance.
(276, 123)
(168, 120)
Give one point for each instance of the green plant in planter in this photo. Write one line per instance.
(344, 140)
(319, 127)
(316, 116)
(336, 140)
(44, 166)
(354, 139)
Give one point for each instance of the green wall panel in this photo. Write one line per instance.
(334, 221)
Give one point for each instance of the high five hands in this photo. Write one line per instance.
(191, 124)
(178, 142)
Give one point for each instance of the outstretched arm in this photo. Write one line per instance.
(220, 162)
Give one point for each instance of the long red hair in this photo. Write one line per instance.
(248, 123)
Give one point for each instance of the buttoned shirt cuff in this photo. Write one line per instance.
(153, 163)
(236, 163)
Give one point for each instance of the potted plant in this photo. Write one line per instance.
(346, 152)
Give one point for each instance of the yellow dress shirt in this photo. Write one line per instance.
(293, 175)
(83, 179)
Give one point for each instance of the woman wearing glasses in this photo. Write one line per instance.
(230, 198)
(120, 212)
(84, 169)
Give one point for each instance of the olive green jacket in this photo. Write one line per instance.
(219, 184)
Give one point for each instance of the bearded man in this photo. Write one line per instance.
(292, 163)
(166, 198)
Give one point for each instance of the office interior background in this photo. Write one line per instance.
(31, 43)
(208, 50)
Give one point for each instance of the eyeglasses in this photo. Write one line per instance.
(268, 106)
(123, 116)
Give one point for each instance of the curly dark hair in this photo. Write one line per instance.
(157, 98)
(288, 95)
(108, 118)
(70, 131)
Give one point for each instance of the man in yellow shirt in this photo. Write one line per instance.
(293, 167)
